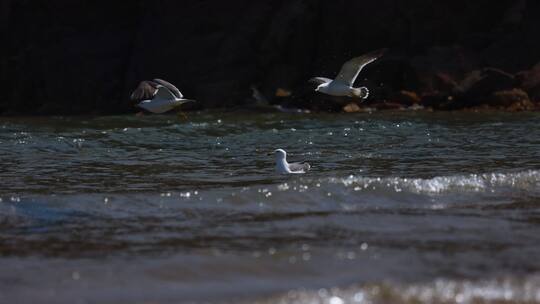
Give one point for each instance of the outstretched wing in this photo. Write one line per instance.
(299, 167)
(320, 80)
(351, 69)
(164, 93)
(183, 101)
(145, 90)
(169, 86)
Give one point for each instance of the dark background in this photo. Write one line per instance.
(85, 57)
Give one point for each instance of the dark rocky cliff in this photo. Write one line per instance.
(72, 57)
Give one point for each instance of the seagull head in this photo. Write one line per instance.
(280, 154)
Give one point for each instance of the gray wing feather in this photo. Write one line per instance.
(182, 101)
(350, 69)
(169, 86)
(164, 93)
(295, 167)
(320, 80)
(145, 90)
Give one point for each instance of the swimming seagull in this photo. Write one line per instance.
(158, 96)
(283, 167)
(343, 84)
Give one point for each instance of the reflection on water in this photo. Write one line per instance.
(399, 207)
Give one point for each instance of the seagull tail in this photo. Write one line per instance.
(361, 92)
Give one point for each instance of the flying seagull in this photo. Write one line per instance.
(158, 96)
(343, 84)
(283, 167)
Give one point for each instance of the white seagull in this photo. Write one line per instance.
(283, 167)
(343, 84)
(158, 96)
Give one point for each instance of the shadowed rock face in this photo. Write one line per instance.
(71, 57)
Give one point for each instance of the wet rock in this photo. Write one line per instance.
(439, 67)
(351, 108)
(445, 82)
(388, 75)
(416, 107)
(280, 92)
(407, 98)
(478, 85)
(510, 98)
(525, 105)
(442, 101)
(530, 82)
(387, 106)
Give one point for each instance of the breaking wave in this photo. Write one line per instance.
(505, 290)
(487, 182)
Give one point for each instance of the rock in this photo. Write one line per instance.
(442, 101)
(530, 82)
(47, 66)
(478, 85)
(387, 106)
(407, 98)
(351, 108)
(525, 105)
(280, 92)
(388, 75)
(510, 98)
(445, 82)
(416, 107)
(439, 67)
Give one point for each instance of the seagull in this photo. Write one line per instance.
(343, 84)
(158, 96)
(283, 167)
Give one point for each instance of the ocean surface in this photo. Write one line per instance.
(400, 207)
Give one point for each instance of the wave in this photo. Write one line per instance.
(504, 290)
(487, 182)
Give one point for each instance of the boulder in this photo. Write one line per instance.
(530, 82)
(407, 98)
(442, 101)
(439, 67)
(509, 98)
(479, 85)
(351, 108)
(444, 82)
(385, 105)
(525, 105)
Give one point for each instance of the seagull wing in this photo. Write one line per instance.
(183, 101)
(145, 90)
(320, 80)
(299, 167)
(169, 86)
(351, 69)
(164, 93)
(260, 99)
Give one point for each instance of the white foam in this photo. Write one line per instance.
(506, 290)
(526, 180)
